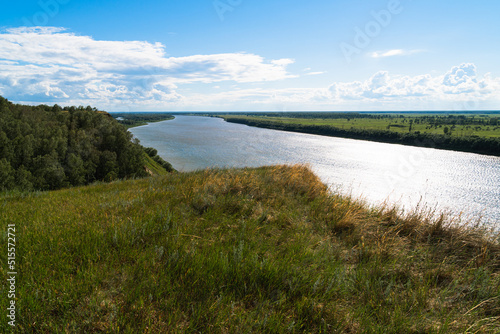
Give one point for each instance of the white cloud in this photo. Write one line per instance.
(458, 89)
(283, 62)
(463, 79)
(461, 82)
(49, 64)
(315, 73)
(392, 53)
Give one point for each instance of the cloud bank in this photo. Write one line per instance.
(460, 88)
(461, 82)
(50, 65)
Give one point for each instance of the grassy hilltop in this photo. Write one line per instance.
(242, 250)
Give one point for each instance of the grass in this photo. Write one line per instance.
(152, 167)
(265, 250)
(395, 124)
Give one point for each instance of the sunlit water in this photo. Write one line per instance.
(463, 183)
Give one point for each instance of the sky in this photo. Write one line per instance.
(243, 55)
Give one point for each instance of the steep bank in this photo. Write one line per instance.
(242, 250)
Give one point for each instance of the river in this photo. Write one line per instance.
(463, 184)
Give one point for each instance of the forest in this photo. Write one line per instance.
(50, 147)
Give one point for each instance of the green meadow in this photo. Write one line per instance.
(487, 126)
(466, 133)
(265, 250)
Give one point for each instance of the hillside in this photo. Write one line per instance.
(238, 251)
(47, 148)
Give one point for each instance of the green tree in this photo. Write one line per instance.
(6, 175)
(24, 179)
(43, 147)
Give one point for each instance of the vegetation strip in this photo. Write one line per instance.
(133, 119)
(398, 129)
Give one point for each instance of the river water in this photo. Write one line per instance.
(464, 184)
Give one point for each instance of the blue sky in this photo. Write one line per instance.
(244, 55)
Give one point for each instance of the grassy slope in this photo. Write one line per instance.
(152, 166)
(235, 251)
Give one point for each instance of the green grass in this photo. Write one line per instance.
(396, 124)
(266, 250)
(152, 166)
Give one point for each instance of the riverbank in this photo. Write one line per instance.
(473, 144)
(134, 119)
(243, 250)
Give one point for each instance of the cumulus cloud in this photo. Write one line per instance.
(461, 82)
(463, 79)
(460, 88)
(50, 64)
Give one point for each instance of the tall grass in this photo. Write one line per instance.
(243, 250)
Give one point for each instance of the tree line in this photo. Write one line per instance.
(46, 148)
(132, 119)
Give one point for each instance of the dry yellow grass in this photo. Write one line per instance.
(244, 250)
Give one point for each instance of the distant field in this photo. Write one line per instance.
(467, 133)
(456, 126)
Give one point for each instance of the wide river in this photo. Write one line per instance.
(464, 184)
